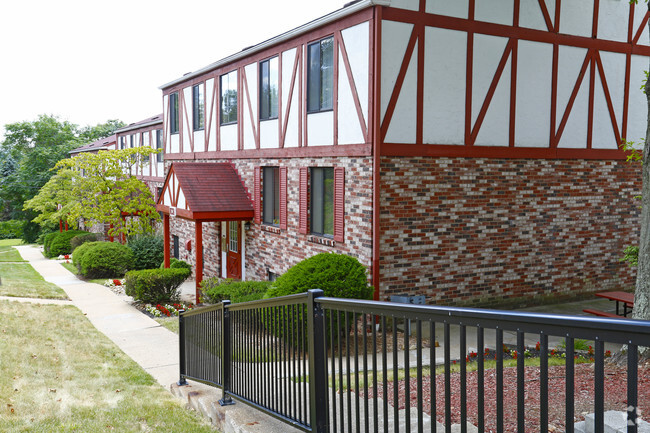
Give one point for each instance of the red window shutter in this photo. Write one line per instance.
(304, 200)
(339, 204)
(283, 198)
(256, 195)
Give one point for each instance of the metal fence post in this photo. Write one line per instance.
(225, 355)
(181, 349)
(317, 363)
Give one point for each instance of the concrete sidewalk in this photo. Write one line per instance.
(151, 345)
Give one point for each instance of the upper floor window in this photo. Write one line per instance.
(271, 195)
(173, 113)
(269, 89)
(320, 75)
(122, 143)
(144, 142)
(198, 107)
(322, 201)
(228, 83)
(160, 157)
(131, 141)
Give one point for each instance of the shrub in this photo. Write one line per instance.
(338, 275)
(79, 253)
(47, 240)
(155, 285)
(174, 263)
(82, 239)
(104, 259)
(60, 243)
(216, 290)
(148, 251)
(12, 229)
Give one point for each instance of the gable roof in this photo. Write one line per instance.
(205, 192)
(107, 143)
(149, 121)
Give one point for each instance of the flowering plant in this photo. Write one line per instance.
(167, 310)
(114, 283)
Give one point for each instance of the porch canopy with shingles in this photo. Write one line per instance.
(202, 192)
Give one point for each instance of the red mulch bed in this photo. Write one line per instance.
(615, 395)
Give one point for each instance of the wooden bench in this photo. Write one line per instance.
(601, 313)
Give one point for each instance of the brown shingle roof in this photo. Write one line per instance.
(213, 191)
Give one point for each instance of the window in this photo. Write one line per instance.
(198, 107)
(159, 145)
(228, 83)
(269, 89)
(144, 142)
(122, 143)
(176, 246)
(320, 75)
(322, 201)
(173, 113)
(271, 195)
(131, 140)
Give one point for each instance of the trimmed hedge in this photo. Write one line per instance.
(216, 290)
(60, 243)
(174, 263)
(338, 275)
(148, 251)
(78, 240)
(155, 285)
(103, 259)
(79, 253)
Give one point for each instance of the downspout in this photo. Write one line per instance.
(376, 149)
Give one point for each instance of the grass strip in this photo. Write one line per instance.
(61, 374)
(22, 280)
(10, 254)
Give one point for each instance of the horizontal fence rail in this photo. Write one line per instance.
(340, 365)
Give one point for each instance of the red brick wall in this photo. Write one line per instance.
(276, 252)
(484, 231)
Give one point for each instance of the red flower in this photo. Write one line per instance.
(117, 282)
(514, 354)
(66, 256)
(537, 346)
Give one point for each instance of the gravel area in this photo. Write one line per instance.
(615, 395)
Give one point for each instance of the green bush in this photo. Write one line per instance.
(216, 290)
(104, 260)
(174, 263)
(79, 253)
(60, 243)
(12, 229)
(148, 251)
(155, 285)
(78, 240)
(47, 240)
(338, 275)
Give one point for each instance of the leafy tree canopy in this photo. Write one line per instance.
(99, 187)
(30, 150)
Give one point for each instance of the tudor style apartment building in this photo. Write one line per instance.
(466, 150)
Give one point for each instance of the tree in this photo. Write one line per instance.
(99, 187)
(642, 289)
(28, 152)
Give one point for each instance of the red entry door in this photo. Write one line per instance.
(233, 259)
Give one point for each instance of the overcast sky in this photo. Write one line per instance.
(87, 61)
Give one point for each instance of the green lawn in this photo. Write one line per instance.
(170, 323)
(61, 374)
(8, 253)
(20, 279)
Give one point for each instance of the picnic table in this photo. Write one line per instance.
(625, 298)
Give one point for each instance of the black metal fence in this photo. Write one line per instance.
(327, 364)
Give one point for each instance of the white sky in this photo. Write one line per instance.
(88, 61)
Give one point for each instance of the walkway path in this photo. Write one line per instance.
(152, 346)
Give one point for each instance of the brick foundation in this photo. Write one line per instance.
(274, 250)
(486, 231)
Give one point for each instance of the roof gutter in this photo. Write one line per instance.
(138, 126)
(319, 22)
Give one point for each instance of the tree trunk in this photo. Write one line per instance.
(642, 290)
